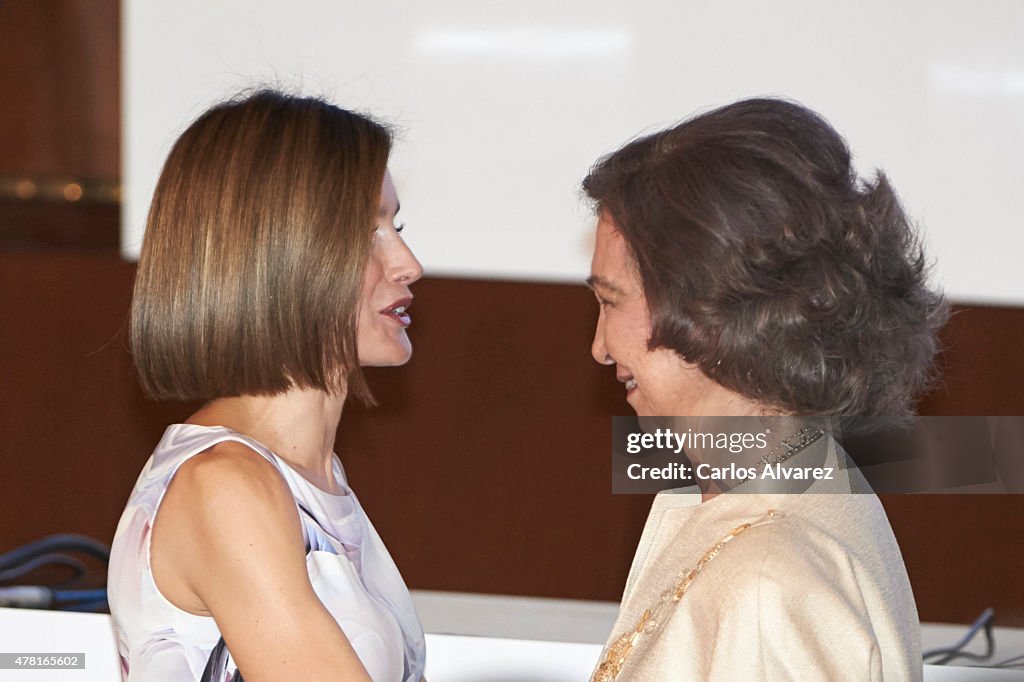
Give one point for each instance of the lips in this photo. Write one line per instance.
(397, 311)
(629, 381)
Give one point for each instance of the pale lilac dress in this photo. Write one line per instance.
(349, 568)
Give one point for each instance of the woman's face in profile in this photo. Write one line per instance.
(658, 382)
(383, 318)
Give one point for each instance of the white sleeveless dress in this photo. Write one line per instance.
(349, 568)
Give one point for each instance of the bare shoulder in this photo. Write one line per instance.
(231, 547)
(230, 466)
(224, 505)
(231, 487)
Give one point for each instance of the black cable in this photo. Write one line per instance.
(65, 542)
(1014, 662)
(71, 562)
(951, 653)
(52, 551)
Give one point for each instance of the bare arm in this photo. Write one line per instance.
(227, 543)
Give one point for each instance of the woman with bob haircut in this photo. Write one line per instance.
(271, 270)
(743, 269)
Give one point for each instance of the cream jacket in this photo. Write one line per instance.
(819, 592)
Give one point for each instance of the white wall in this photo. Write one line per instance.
(505, 105)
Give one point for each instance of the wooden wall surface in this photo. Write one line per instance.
(59, 92)
(486, 468)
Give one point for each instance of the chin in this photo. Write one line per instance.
(640, 407)
(399, 361)
(392, 357)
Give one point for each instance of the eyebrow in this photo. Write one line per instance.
(597, 280)
(383, 210)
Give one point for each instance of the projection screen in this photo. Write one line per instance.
(503, 106)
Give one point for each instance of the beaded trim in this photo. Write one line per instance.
(792, 445)
(619, 650)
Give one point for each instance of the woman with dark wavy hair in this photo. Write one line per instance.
(744, 269)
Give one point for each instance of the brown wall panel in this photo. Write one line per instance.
(982, 371)
(963, 553)
(486, 467)
(492, 445)
(69, 413)
(60, 111)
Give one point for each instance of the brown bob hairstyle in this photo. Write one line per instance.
(770, 265)
(255, 247)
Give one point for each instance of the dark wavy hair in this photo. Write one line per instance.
(768, 263)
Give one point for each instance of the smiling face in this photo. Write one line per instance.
(381, 337)
(658, 382)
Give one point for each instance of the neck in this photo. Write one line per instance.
(299, 426)
(782, 439)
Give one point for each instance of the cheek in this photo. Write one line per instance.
(370, 278)
(625, 340)
(670, 382)
(374, 272)
(631, 328)
(368, 326)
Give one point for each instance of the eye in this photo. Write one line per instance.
(377, 229)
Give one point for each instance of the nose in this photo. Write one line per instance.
(598, 348)
(403, 267)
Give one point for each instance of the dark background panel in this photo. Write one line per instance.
(486, 466)
(59, 92)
